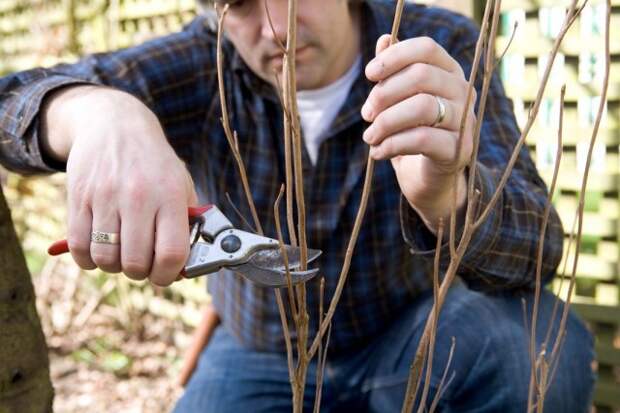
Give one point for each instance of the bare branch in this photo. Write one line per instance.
(503, 54)
(541, 237)
(441, 388)
(322, 358)
(239, 214)
(370, 167)
(584, 182)
(226, 123)
(273, 30)
(571, 15)
(435, 318)
(463, 125)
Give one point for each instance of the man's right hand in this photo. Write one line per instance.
(122, 177)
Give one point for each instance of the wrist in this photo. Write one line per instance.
(70, 111)
(439, 206)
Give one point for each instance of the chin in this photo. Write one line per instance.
(307, 79)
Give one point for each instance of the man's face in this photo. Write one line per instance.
(327, 38)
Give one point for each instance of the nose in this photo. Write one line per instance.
(278, 11)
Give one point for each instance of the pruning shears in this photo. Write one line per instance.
(215, 244)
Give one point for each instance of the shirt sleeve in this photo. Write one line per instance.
(171, 75)
(502, 252)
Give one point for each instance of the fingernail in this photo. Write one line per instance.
(367, 136)
(367, 112)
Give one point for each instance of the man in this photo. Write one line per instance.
(125, 125)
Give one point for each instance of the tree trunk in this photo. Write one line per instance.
(25, 384)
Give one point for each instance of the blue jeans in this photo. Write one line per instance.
(490, 369)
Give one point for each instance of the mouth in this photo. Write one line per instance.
(278, 57)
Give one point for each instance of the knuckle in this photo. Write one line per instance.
(418, 76)
(379, 126)
(422, 139)
(421, 72)
(78, 190)
(136, 191)
(104, 259)
(172, 257)
(427, 44)
(428, 102)
(136, 267)
(161, 280)
(107, 190)
(77, 246)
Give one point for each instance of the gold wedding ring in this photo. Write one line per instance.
(441, 112)
(100, 237)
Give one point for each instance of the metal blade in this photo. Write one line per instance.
(271, 259)
(272, 278)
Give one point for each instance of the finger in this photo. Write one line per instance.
(106, 256)
(79, 229)
(382, 43)
(137, 233)
(414, 79)
(171, 243)
(407, 52)
(436, 144)
(418, 110)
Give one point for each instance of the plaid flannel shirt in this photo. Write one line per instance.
(392, 264)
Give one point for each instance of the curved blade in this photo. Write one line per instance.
(271, 259)
(272, 278)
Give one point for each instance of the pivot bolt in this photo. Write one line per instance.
(231, 243)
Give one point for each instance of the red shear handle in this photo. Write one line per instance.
(62, 246)
(194, 212)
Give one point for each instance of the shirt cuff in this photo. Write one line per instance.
(25, 128)
(422, 242)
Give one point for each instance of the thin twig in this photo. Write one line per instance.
(582, 194)
(435, 317)
(441, 388)
(281, 309)
(571, 16)
(239, 214)
(293, 131)
(289, 281)
(503, 54)
(541, 237)
(273, 30)
(320, 365)
(463, 125)
(571, 239)
(486, 84)
(370, 167)
(230, 137)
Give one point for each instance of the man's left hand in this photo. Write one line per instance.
(415, 78)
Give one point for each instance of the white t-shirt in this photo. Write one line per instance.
(318, 108)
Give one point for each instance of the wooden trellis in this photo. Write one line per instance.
(580, 66)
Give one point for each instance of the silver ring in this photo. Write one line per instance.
(441, 112)
(100, 237)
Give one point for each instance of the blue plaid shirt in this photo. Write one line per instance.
(176, 77)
